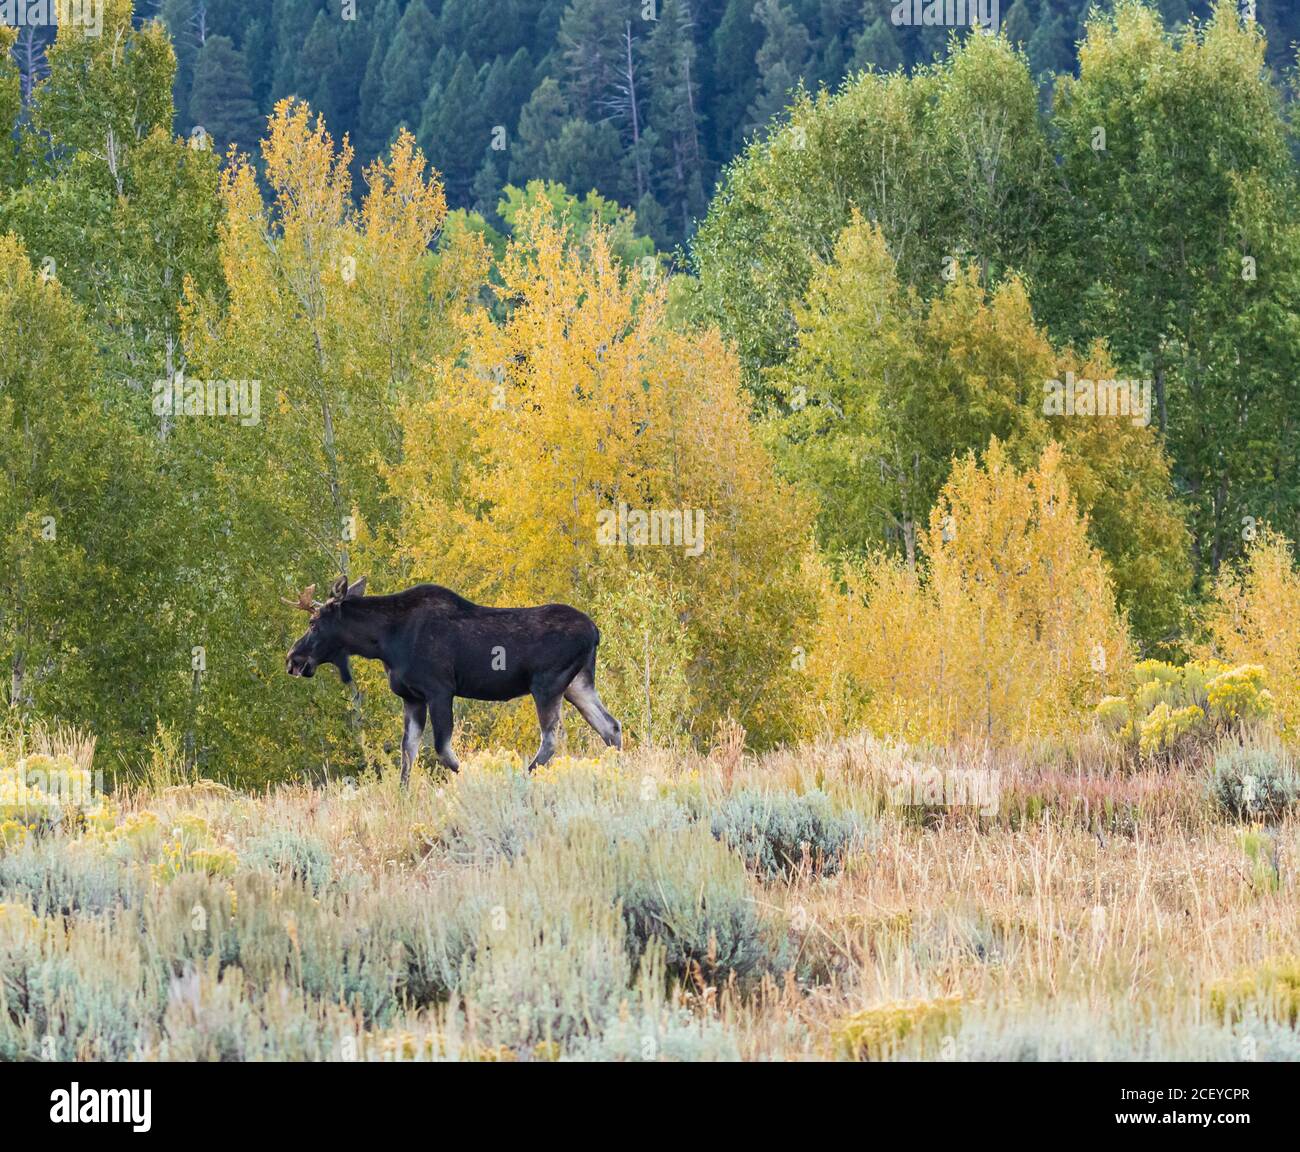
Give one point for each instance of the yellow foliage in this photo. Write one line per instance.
(1165, 726)
(40, 786)
(1272, 986)
(1239, 694)
(875, 1033)
(1113, 712)
(1171, 703)
(1009, 631)
(1255, 620)
(573, 402)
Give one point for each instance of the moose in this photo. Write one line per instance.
(436, 645)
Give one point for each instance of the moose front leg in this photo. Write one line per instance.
(412, 730)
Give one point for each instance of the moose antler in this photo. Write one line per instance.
(306, 600)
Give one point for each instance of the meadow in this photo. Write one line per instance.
(838, 900)
(959, 700)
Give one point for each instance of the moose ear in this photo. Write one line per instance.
(357, 589)
(340, 588)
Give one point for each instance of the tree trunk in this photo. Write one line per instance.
(636, 119)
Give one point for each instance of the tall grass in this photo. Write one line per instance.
(661, 906)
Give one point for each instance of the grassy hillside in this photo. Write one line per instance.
(834, 901)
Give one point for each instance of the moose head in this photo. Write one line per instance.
(325, 641)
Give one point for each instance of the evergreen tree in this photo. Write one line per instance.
(187, 22)
(878, 47)
(781, 61)
(222, 97)
(373, 126)
(406, 67)
(318, 77)
(454, 131)
(735, 80)
(591, 46)
(674, 114)
(541, 121)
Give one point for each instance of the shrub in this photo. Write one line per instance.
(1165, 727)
(876, 1033)
(1254, 783)
(692, 894)
(488, 817)
(1171, 708)
(57, 877)
(776, 831)
(549, 960)
(544, 974)
(1239, 694)
(669, 1037)
(79, 990)
(1273, 987)
(304, 859)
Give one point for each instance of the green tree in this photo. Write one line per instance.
(221, 100)
(674, 114)
(1188, 254)
(88, 633)
(406, 66)
(782, 61)
(951, 162)
(541, 121)
(735, 43)
(884, 389)
(374, 126)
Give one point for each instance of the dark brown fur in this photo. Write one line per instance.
(436, 645)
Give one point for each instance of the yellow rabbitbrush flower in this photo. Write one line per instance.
(603, 768)
(1272, 987)
(14, 832)
(876, 1033)
(1113, 712)
(1172, 704)
(1165, 727)
(190, 850)
(175, 860)
(43, 784)
(1240, 694)
(18, 919)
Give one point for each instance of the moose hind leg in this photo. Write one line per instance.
(548, 720)
(440, 716)
(412, 730)
(582, 694)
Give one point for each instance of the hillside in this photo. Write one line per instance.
(513, 90)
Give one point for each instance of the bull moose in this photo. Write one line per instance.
(436, 645)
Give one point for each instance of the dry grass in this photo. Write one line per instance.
(1074, 913)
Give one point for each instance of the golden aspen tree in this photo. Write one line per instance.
(577, 449)
(330, 309)
(883, 389)
(1254, 619)
(1007, 631)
